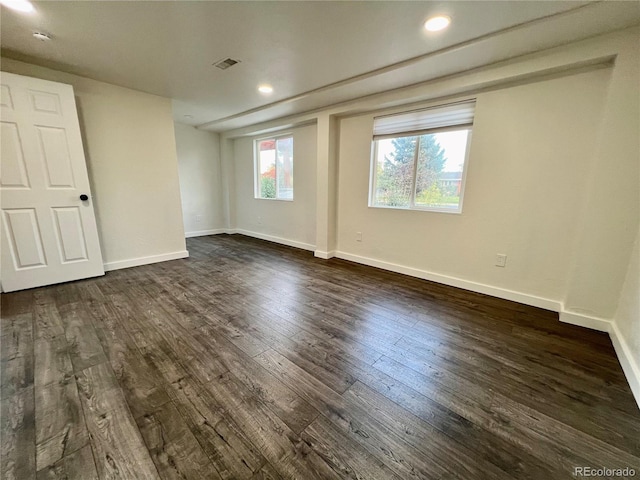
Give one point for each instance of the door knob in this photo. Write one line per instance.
(84, 197)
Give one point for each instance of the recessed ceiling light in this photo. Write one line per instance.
(435, 24)
(42, 36)
(188, 116)
(266, 89)
(19, 5)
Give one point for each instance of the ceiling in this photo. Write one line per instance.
(313, 53)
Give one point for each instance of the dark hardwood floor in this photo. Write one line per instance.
(254, 360)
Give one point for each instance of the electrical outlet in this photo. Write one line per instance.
(501, 260)
(259, 220)
(198, 218)
(358, 236)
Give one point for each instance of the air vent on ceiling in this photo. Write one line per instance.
(226, 63)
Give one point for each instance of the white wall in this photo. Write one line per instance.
(291, 222)
(611, 211)
(131, 157)
(530, 156)
(200, 180)
(628, 314)
(627, 322)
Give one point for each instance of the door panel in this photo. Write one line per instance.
(70, 234)
(14, 169)
(48, 234)
(24, 237)
(5, 97)
(55, 157)
(44, 102)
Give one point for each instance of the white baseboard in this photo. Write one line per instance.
(136, 262)
(514, 296)
(271, 238)
(324, 255)
(629, 363)
(585, 321)
(202, 233)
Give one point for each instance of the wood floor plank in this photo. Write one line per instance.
(78, 465)
(118, 448)
(493, 410)
(84, 347)
(138, 380)
(17, 424)
(59, 420)
(347, 458)
(379, 440)
(459, 427)
(135, 322)
(284, 450)
(16, 336)
(253, 360)
(48, 324)
(461, 331)
(16, 304)
(212, 322)
(224, 442)
(166, 322)
(66, 294)
(556, 372)
(173, 448)
(334, 322)
(325, 331)
(16, 355)
(563, 401)
(287, 405)
(337, 347)
(320, 366)
(152, 295)
(60, 425)
(267, 473)
(422, 435)
(456, 427)
(52, 361)
(465, 325)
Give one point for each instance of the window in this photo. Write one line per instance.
(419, 158)
(274, 168)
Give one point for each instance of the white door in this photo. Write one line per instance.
(48, 232)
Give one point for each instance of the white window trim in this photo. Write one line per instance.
(256, 167)
(412, 206)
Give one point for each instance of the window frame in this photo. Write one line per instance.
(256, 166)
(412, 205)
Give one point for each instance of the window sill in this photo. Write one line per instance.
(275, 199)
(457, 211)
